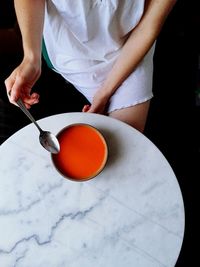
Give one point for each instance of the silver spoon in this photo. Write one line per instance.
(47, 139)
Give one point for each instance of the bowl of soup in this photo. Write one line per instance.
(83, 152)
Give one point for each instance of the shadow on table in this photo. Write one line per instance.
(115, 150)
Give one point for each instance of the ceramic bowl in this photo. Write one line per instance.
(83, 152)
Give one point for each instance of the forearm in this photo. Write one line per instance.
(30, 16)
(138, 43)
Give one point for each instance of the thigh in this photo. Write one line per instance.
(135, 116)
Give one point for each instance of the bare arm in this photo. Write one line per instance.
(137, 45)
(30, 16)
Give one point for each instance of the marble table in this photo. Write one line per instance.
(130, 215)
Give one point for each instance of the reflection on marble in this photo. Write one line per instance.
(131, 214)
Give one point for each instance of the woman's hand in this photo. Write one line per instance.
(21, 81)
(30, 17)
(138, 43)
(99, 103)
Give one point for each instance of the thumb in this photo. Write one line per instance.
(9, 84)
(15, 91)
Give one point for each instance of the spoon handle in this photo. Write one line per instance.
(28, 114)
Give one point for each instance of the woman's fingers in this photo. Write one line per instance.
(31, 99)
(86, 108)
(16, 88)
(21, 81)
(9, 84)
(15, 91)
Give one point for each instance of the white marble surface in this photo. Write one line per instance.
(131, 215)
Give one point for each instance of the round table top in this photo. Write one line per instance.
(131, 214)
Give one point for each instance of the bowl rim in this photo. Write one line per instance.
(105, 156)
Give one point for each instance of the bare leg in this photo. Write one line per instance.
(135, 116)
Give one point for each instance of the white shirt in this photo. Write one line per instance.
(84, 37)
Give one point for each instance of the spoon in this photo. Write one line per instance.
(47, 139)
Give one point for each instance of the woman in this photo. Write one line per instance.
(104, 48)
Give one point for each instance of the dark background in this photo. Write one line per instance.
(173, 123)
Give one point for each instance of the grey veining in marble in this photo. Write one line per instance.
(131, 214)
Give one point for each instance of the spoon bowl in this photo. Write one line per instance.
(49, 142)
(47, 139)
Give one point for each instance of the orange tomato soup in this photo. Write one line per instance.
(83, 152)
